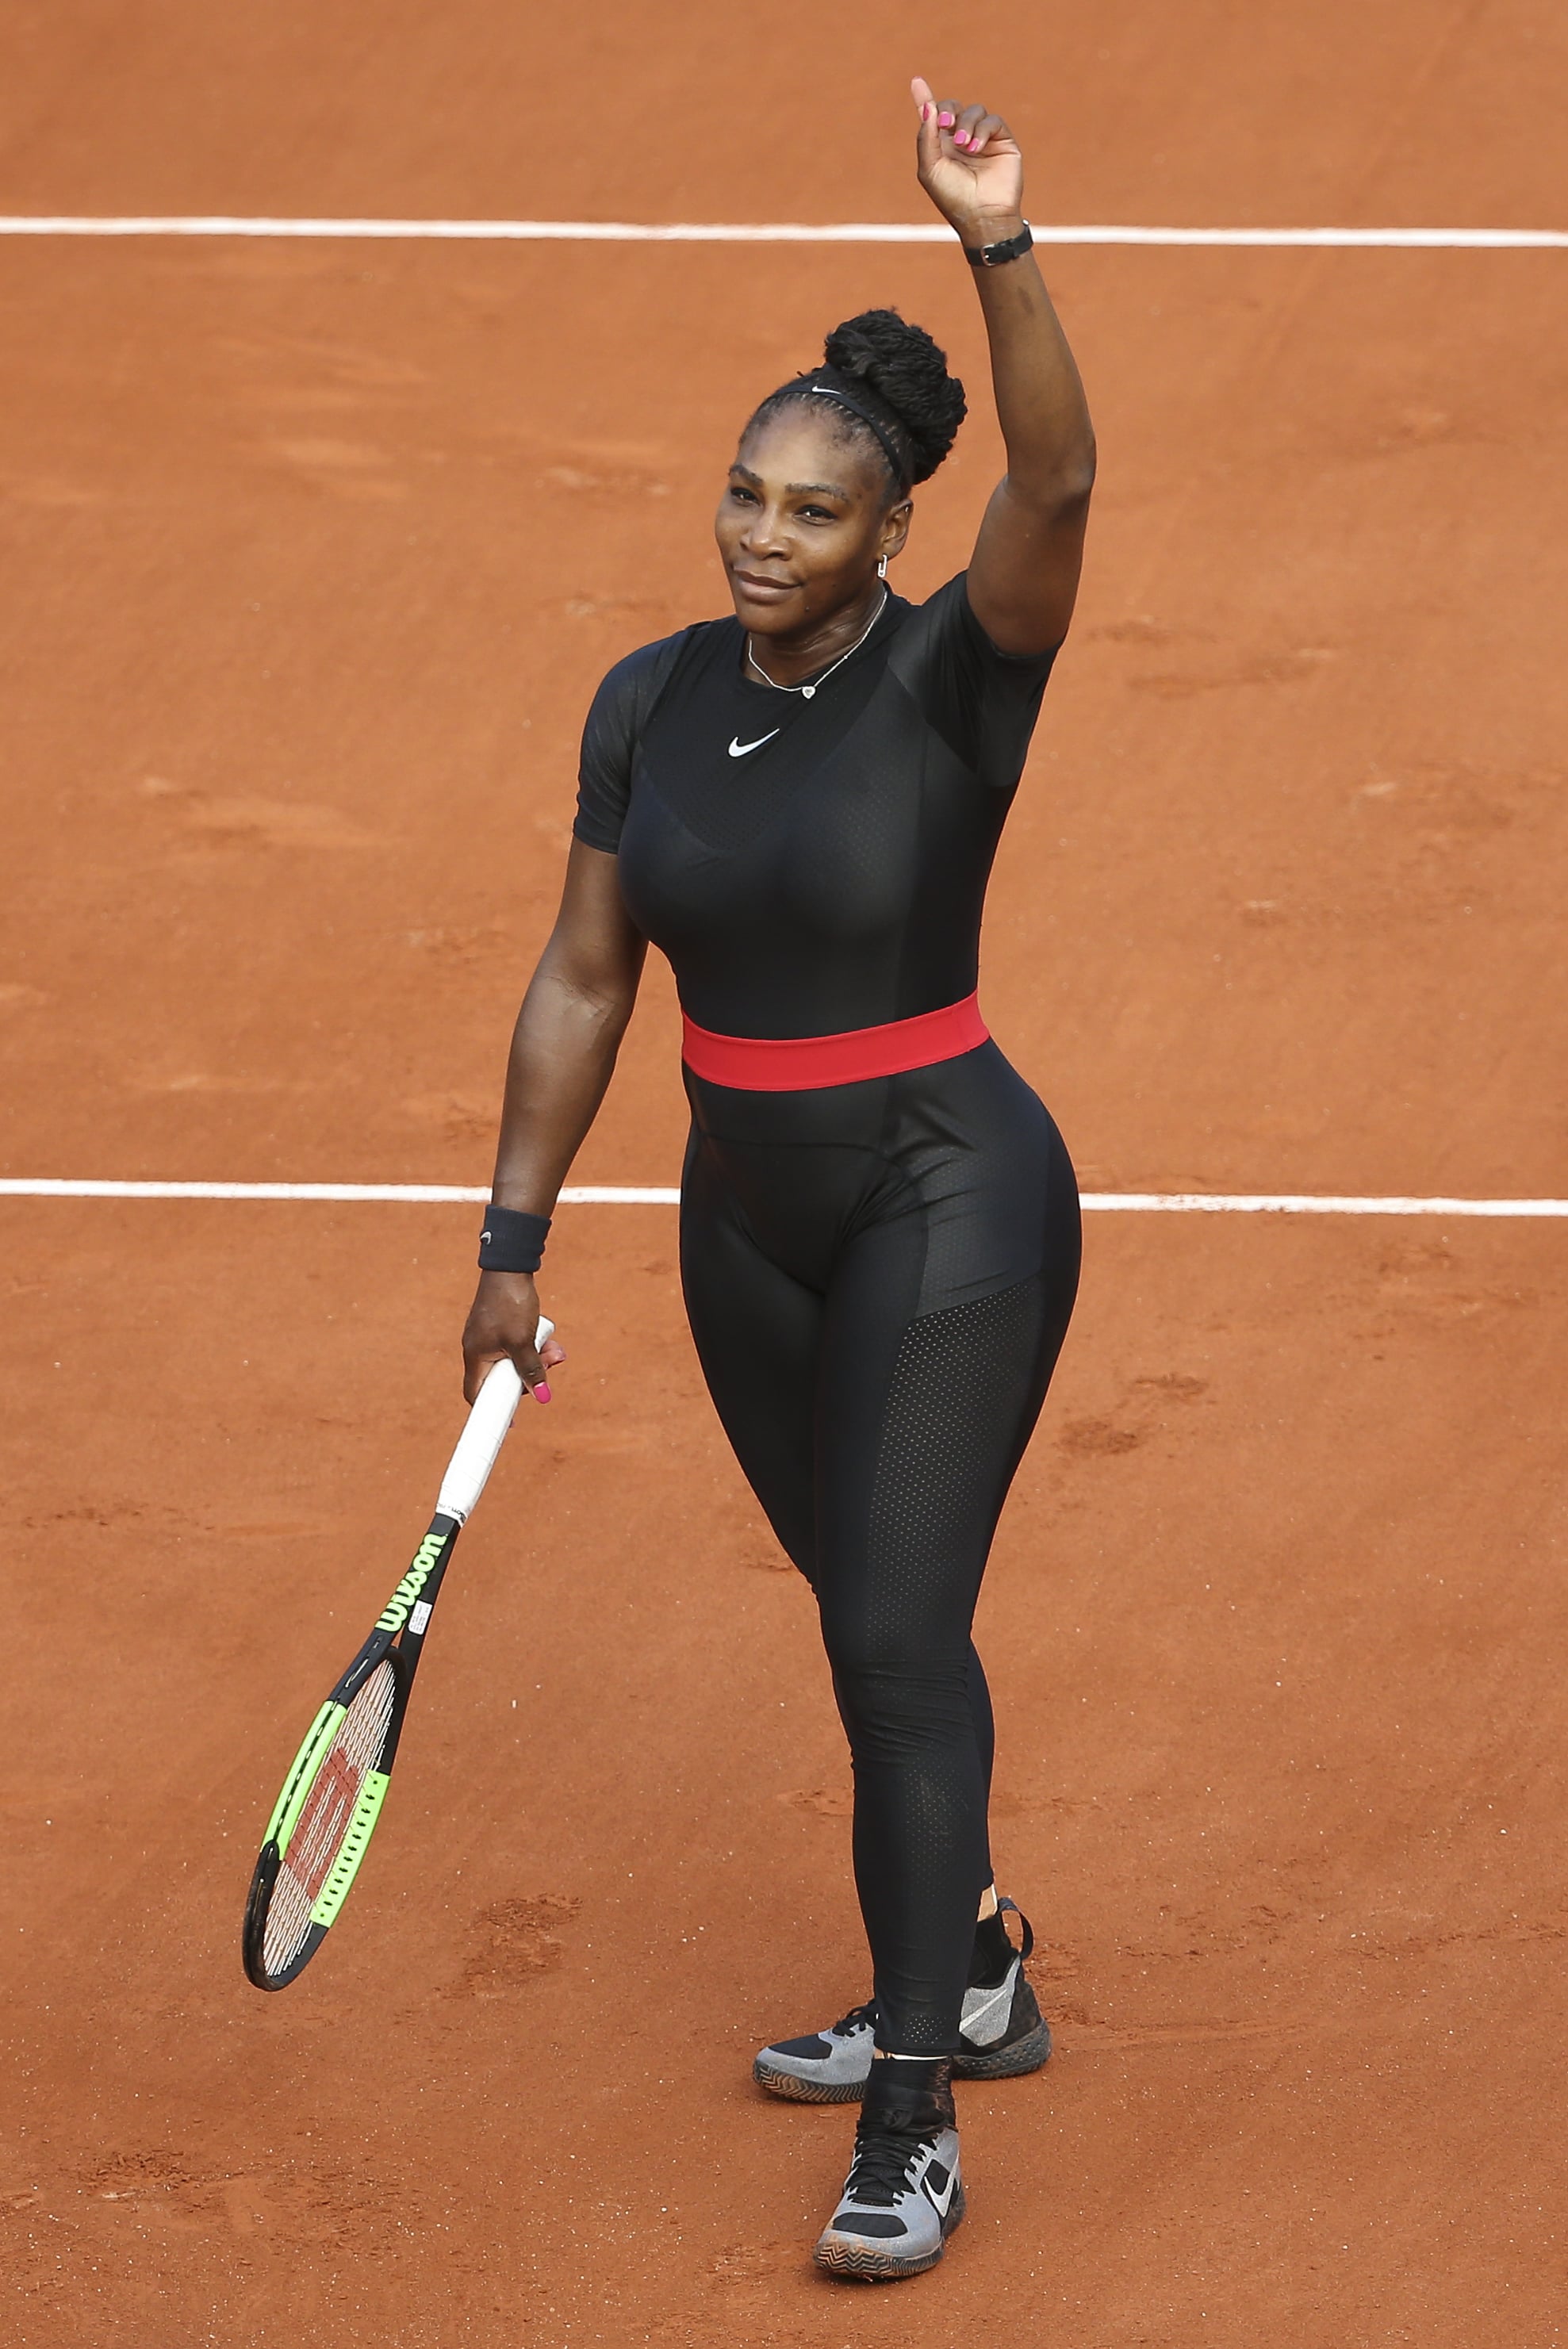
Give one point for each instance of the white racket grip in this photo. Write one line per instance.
(468, 1470)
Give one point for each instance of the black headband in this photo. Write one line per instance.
(827, 384)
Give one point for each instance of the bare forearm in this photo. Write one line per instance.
(971, 167)
(564, 1050)
(1040, 402)
(1024, 573)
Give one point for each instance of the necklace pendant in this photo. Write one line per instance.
(806, 692)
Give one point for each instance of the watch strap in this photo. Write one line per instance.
(1007, 248)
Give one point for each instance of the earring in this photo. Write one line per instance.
(882, 567)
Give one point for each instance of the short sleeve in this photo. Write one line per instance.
(617, 716)
(983, 702)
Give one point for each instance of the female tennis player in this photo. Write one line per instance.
(879, 1222)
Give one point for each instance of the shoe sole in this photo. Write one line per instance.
(865, 2263)
(1009, 2063)
(806, 2092)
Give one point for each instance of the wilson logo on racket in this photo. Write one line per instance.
(397, 1608)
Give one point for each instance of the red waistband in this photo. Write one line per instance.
(788, 1064)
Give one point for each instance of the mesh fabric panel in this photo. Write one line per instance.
(964, 1379)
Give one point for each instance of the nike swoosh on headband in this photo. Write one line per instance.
(738, 748)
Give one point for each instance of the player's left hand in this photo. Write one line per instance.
(969, 163)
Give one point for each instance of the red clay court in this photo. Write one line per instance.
(314, 549)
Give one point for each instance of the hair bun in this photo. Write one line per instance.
(909, 374)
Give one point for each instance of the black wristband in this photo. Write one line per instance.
(511, 1240)
(1008, 248)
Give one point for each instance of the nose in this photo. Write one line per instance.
(762, 533)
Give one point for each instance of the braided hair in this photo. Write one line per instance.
(887, 382)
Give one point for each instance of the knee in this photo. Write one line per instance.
(877, 1636)
(887, 1682)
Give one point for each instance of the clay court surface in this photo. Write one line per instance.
(313, 553)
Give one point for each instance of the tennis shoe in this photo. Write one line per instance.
(1001, 2036)
(904, 2195)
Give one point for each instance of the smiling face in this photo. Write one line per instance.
(807, 513)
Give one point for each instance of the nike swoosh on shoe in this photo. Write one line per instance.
(975, 2017)
(939, 2202)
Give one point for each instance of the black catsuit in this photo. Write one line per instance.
(879, 1274)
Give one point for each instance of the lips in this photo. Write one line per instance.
(763, 589)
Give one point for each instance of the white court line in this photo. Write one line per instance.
(596, 1195)
(1452, 240)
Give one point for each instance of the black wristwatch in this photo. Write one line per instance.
(1009, 248)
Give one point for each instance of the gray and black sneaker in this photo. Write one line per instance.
(830, 2067)
(1001, 2031)
(903, 2196)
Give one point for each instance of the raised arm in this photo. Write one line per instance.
(1023, 575)
(564, 1050)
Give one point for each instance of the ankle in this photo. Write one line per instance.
(913, 2095)
(992, 1953)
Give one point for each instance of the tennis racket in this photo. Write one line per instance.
(331, 1799)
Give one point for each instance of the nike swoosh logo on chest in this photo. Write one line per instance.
(738, 748)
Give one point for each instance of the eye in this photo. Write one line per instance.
(739, 490)
(817, 513)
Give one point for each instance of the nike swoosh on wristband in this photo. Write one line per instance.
(738, 748)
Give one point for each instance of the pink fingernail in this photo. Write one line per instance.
(960, 138)
(541, 1392)
(925, 114)
(946, 121)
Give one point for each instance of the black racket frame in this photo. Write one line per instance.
(401, 1646)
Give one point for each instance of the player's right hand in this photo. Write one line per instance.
(501, 1324)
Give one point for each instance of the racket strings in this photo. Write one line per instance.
(323, 1822)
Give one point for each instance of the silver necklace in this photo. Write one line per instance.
(805, 691)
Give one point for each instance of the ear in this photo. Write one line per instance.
(894, 529)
